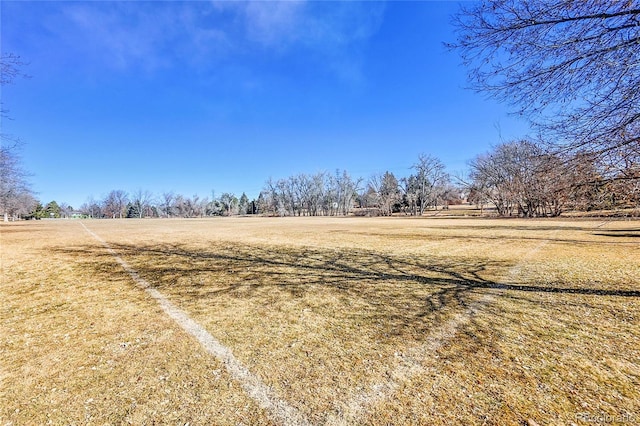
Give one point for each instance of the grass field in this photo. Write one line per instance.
(345, 321)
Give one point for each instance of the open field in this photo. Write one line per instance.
(343, 321)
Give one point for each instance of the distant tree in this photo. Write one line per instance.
(65, 210)
(215, 208)
(141, 200)
(186, 206)
(202, 206)
(520, 178)
(131, 211)
(451, 195)
(91, 208)
(387, 191)
(37, 212)
(410, 189)
(343, 190)
(243, 204)
(52, 210)
(265, 204)
(229, 203)
(368, 200)
(22, 206)
(196, 205)
(428, 183)
(316, 194)
(16, 196)
(278, 195)
(115, 203)
(14, 187)
(309, 195)
(180, 206)
(571, 66)
(167, 203)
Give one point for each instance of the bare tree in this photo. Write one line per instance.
(115, 203)
(573, 67)
(166, 203)
(202, 206)
(316, 193)
(15, 193)
(187, 206)
(10, 69)
(344, 190)
(387, 191)
(281, 196)
(91, 208)
(429, 181)
(141, 201)
(313, 195)
(14, 186)
(229, 203)
(519, 178)
(66, 211)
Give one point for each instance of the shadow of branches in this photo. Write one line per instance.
(404, 293)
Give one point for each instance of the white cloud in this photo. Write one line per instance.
(274, 23)
(324, 25)
(334, 33)
(154, 35)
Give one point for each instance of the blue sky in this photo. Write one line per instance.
(198, 96)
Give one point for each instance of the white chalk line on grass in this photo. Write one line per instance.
(411, 361)
(252, 385)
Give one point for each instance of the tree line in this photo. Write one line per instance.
(523, 178)
(319, 194)
(340, 194)
(518, 178)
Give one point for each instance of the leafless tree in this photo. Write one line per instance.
(66, 210)
(10, 68)
(15, 193)
(316, 189)
(520, 178)
(142, 201)
(345, 189)
(115, 203)
(229, 203)
(166, 203)
(387, 191)
(186, 206)
(91, 208)
(14, 187)
(429, 182)
(573, 67)
(313, 195)
(202, 206)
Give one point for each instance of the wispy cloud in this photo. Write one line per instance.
(157, 35)
(316, 25)
(126, 34)
(334, 32)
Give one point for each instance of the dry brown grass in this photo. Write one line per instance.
(352, 321)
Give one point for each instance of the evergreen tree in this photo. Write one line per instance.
(244, 206)
(52, 210)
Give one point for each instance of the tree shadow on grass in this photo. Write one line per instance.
(405, 294)
(620, 233)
